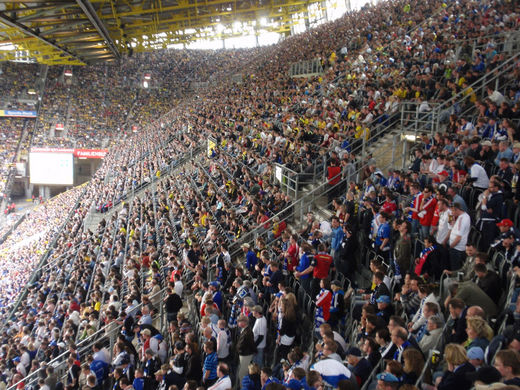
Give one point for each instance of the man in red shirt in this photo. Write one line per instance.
(333, 177)
(320, 264)
(427, 208)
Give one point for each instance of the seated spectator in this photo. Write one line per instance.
(507, 362)
(477, 333)
(455, 377)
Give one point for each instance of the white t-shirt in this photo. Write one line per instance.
(260, 329)
(444, 227)
(482, 178)
(222, 344)
(178, 287)
(461, 227)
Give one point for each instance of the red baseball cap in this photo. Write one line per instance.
(444, 173)
(505, 222)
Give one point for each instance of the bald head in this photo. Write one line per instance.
(476, 311)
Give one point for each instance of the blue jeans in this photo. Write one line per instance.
(258, 358)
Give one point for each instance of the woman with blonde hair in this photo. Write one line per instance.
(458, 367)
(478, 332)
(252, 380)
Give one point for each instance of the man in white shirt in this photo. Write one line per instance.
(178, 286)
(260, 335)
(477, 174)
(223, 340)
(458, 236)
(443, 228)
(224, 381)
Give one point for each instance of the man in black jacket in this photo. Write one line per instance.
(172, 304)
(458, 310)
(488, 281)
(245, 346)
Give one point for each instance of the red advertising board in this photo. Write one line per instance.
(82, 153)
(90, 153)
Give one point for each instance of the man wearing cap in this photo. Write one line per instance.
(384, 307)
(245, 346)
(359, 366)
(504, 226)
(260, 334)
(387, 381)
(476, 357)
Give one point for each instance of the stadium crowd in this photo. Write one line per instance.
(433, 278)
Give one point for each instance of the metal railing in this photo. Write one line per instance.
(306, 68)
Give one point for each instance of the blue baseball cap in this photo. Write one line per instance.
(476, 353)
(387, 377)
(383, 299)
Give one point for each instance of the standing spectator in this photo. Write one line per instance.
(402, 249)
(172, 303)
(320, 264)
(323, 301)
(303, 271)
(460, 229)
(337, 306)
(336, 239)
(209, 369)
(491, 212)
(260, 334)
(245, 347)
(223, 340)
(382, 239)
(333, 178)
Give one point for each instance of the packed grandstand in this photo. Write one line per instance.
(245, 234)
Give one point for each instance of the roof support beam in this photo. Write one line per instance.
(88, 9)
(13, 23)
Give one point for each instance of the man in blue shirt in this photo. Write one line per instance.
(209, 370)
(250, 257)
(336, 240)
(303, 272)
(382, 241)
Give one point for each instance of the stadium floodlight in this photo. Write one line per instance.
(219, 27)
(263, 22)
